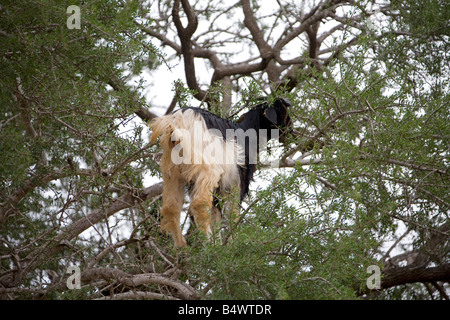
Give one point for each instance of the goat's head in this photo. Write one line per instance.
(277, 116)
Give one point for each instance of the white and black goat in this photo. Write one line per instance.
(213, 157)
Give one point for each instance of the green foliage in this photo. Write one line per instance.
(313, 231)
(369, 157)
(282, 251)
(426, 27)
(64, 102)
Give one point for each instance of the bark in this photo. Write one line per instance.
(410, 274)
(134, 281)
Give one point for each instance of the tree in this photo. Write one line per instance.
(362, 181)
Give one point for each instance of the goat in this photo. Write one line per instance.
(210, 155)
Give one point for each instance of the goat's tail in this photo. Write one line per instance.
(159, 126)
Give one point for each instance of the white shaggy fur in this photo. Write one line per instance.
(194, 154)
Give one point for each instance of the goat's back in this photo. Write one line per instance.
(194, 143)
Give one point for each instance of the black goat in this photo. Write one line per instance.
(213, 157)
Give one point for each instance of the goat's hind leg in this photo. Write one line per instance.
(173, 198)
(202, 202)
(200, 209)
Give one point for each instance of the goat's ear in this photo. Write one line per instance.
(271, 114)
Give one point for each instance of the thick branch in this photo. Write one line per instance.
(145, 114)
(126, 201)
(410, 274)
(133, 281)
(137, 295)
(238, 68)
(314, 44)
(185, 34)
(251, 24)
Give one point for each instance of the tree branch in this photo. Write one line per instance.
(9, 204)
(56, 244)
(250, 23)
(21, 98)
(185, 34)
(143, 113)
(410, 274)
(137, 295)
(415, 166)
(133, 281)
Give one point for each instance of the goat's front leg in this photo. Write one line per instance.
(173, 198)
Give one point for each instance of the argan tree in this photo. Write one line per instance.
(357, 206)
